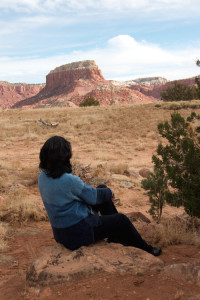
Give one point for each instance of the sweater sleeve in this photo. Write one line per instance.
(89, 194)
(104, 195)
(84, 192)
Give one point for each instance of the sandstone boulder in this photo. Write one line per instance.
(187, 272)
(57, 264)
(144, 172)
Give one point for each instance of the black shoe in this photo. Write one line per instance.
(156, 251)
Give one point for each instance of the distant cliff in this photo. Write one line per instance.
(154, 90)
(11, 93)
(148, 81)
(68, 74)
(70, 84)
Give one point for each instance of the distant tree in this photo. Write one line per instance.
(178, 92)
(198, 62)
(197, 80)
(89, 102)
(198, 87)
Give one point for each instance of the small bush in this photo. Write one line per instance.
(179, 92)
(89, 102)
(176, 177)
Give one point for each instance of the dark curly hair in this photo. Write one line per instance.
(55, 157)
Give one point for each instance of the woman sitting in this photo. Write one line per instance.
(80, 214)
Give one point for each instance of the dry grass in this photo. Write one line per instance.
(174, 231)
(3, 236)
(108, 139)
(20, 206)
(119, 168)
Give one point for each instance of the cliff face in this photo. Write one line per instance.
(70, 84)
(13, 93)
(147, 81)
(68, 74)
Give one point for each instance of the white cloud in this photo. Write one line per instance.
(175, 8)
(122, 58)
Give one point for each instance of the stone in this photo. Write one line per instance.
(57, 264)
(120, 177)
(126, 184)
(144, 172)
(138, 216)
(131, 173)
(187, 272)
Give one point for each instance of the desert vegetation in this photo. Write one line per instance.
(178, 91)
(89, 102)
(176, 167)
(110, 145)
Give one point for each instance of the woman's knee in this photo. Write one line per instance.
(122, 218)
(101, 186)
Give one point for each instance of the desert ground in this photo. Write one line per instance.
(106, 142)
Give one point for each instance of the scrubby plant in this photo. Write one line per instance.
(89, 102)
(179, 91)
(176, 177)
(156, 184)
(198, 87)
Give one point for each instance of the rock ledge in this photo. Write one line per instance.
(57, 264)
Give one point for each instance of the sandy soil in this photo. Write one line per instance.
(27, 242)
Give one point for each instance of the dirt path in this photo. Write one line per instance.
(27, 242)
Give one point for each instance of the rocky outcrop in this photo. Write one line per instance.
(70, 84)
(149, 81)
(155, 90)
(13, 93)
(67, 74)
(57, 264)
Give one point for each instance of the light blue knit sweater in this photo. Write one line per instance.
(66, 199)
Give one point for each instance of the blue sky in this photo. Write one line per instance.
(128, 39)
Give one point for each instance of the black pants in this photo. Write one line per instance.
(117, 228)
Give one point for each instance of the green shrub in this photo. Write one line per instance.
(176, 177)
(179, 92)
(198, 87)
(89, 102)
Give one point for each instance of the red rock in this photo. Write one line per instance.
(72, 83)
(67, 74)
(144, 172)
(13, 93)
(57, 264)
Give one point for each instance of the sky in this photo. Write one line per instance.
(128, 39)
